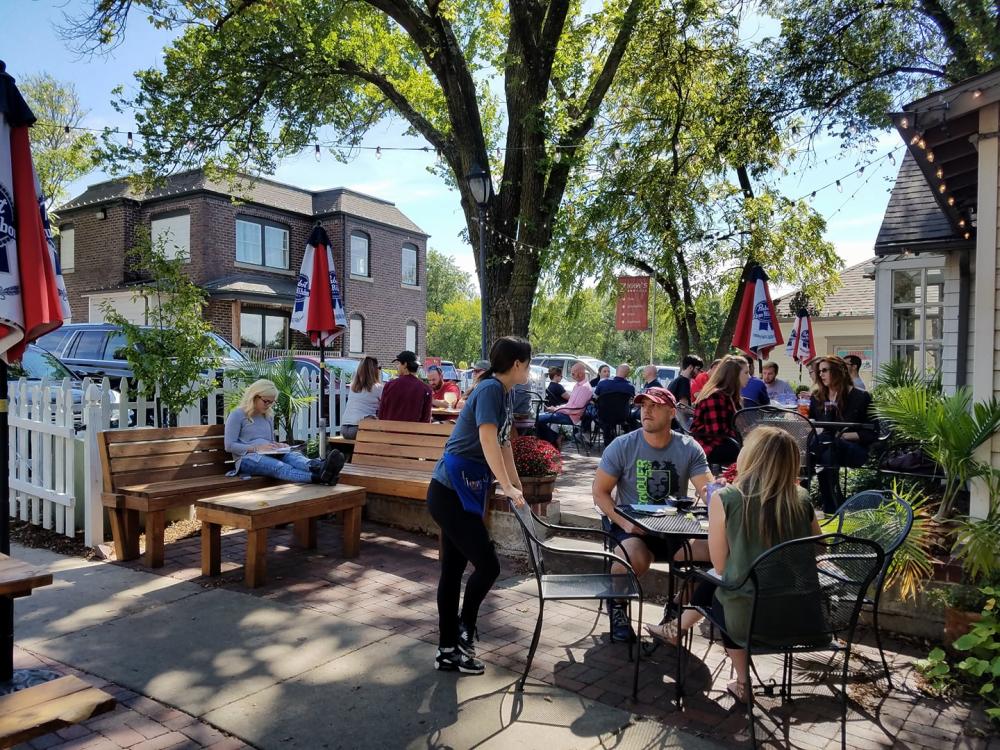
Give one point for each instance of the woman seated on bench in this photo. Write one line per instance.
(249, 437)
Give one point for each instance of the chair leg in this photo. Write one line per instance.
(638, 656)
(534, 645)
(878, 642)
(843, 697)
(749, 697)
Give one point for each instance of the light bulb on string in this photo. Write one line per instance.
(967, 235)
(892, 159)
(930, 156)
(940, 173)
(961, 223)
(66, 129)
(128, 140)
(378, 152)
(317, 153)
(951, 200)
(840, 188)
(904, 123)
(942, 188)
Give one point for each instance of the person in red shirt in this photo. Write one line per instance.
(407, 398)
(440, 386)
(701, 378)
(717, 404)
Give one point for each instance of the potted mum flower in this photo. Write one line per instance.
(538, 463)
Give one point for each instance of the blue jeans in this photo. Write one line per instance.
(290, 467)
(551, 417)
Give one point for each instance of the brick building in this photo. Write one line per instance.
(244, 248)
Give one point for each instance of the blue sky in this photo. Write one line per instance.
(32, 45)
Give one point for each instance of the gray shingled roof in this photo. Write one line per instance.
(261, 191)
(913, 219)
(854, 299)
(243, 285)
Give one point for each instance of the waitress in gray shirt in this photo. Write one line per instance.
(249, 436)
(477, 453)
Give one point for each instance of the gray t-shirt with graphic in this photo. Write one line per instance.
(651, 475)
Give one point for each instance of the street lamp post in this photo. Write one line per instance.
(479, 186)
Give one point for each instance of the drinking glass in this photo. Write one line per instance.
(450, 398)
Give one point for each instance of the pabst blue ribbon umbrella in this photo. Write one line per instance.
(319, 311)
(757, 331)
(33, 297)
(801, 347)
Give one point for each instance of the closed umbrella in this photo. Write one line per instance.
(801, 347)
(318, 310)
(33, 297)
(757, 331)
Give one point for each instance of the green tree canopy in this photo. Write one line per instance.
(453, 330)
(446, 282)
(250, 82)
(676, 201)
(849, 62)
(59, 156)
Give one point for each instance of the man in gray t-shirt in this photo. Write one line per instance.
(646, 466)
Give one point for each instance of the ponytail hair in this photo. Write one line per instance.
(504, 353)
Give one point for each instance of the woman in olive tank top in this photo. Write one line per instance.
(764, 507)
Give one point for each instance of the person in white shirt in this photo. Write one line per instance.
(777, 390)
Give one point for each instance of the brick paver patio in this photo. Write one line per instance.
(392, 586)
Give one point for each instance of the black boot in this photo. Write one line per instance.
(330, 471)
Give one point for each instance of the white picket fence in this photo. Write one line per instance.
(54, 424)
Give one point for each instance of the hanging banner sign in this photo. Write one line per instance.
(632, 312)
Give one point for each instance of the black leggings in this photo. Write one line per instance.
(464, 539)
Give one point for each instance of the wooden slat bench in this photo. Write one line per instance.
(45, 708)
(396, 458)
(257, 511)
(153, 470)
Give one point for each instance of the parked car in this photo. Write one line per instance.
(597, 364)
(664, 373)
(38, 364)
(566, 362)
(97, 349)
(336, 368)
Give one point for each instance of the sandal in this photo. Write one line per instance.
(667, 633)
(738, 691)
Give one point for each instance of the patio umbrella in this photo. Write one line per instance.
(801, 347)
(33, 297)
(318, 310)
(757, 331)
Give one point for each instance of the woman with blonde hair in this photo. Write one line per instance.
(714, 409)
(764, 507)
(835, 399)
(362, 401)
(249, 436)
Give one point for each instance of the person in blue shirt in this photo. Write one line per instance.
(618, 384)
(755, 391)
(477, 452)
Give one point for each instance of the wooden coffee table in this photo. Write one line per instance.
(258, 510)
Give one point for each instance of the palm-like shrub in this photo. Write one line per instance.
(293, 393)
(949, 427)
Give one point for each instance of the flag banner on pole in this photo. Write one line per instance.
(318, 311)
(757, 330)
(632, 310)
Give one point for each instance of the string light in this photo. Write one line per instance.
(961, 223)
(840, 188)
(940, 173)
(951, 200)
(892, 159)
(378, 152)
(977, 93)
(904, 123)
(942, 188)
(128, 140)
(317, 152)
(66, 129)
(930, 156)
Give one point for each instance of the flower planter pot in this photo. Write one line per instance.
(538, 489)
(958, 622)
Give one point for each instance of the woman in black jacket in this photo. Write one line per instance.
(837, 400)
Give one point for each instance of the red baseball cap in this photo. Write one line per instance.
(657, 396)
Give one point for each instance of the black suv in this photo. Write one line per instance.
(97, 349)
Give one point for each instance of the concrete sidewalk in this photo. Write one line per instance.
(282, 676)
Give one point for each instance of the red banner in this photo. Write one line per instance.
(632, 312)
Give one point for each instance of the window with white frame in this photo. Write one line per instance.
(410, 265)
(67, 247)
(356, 335)
(360, 254)
(261, 243)
(172, 234)
(918, 317)
(411, 337)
